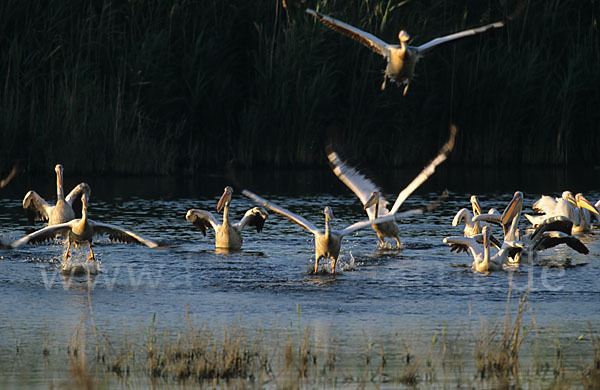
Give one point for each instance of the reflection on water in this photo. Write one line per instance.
(419, 289)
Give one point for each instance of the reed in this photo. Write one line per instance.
(163, 87)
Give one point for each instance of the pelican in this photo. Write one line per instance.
(63, 211)
(82, 230)
(575, 208)
(327, 241)
(471, 228)
(480, 250)
(370, 194)
(227, 235)
(402, 58)
(548, 233)
(565, 206)
(585, 209)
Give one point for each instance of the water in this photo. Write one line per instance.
(417, 290)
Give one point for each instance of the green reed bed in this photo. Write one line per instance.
(161, 87)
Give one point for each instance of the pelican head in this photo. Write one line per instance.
(225, 198)
(582, 202)
(513, 208)
(328, 214)
(373, 199)
(403, 36)
(59, 179)
(84, 200)
(475, 205)
(568, 196)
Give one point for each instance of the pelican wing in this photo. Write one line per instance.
(559, 223)
(116, 233)
(427, 171)
(14, 171)
(36, 208)
(202, 220)
(47, 233)
(462, 244)
(551, 239)
(356, 181)
(280, 210)
(74, 198)
(363, 224)
(458, 35)
(367, 39)
(545, 204)
(256, 216)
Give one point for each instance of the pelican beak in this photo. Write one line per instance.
(225, 198)
(373, 200)
(486, 237)
(583, 202)
(328, 213)
(571, 199)
(513, 208)
(475, 205)
(59, 174)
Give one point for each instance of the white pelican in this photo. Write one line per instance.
(471, 228)
(227, 235)
(82, 230)
(565, 206)
(37, 208)
(572, 207)
(585, 209)
(483, 261)
(370, 194)
(327, 241)
(402, 58)
(548, 233)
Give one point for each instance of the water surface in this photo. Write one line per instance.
(418, 290)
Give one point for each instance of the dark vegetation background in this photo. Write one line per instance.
(137, 87)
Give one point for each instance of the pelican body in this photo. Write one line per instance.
(36, 208)
(479, 247)
(82, 230)
(371, 195)
(402, 58)
(328, 241)
(227, 235)
(576, 208)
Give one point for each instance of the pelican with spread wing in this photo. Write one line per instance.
(370, 194)
(227, 235)
(550, 232)
(402, 58)
(83, 230)
(65, 209)
(327, 241)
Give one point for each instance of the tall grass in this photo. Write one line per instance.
(162, 87)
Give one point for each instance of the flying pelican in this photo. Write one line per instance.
(402, 58)
(327, 241)
(82, 230)
(227, 235)
(370, 194)
(37, 208)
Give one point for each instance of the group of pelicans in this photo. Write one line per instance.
(561, 218)
(559, 221)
